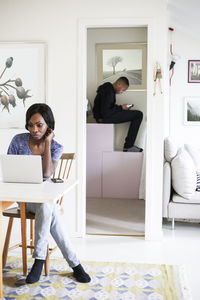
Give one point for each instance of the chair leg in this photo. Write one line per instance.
(23, 236)
(7, 242)
(46, 263)
(32, 234)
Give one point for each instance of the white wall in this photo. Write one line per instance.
(188, 47)
(183, 17)
(138, 98)
(56, 23)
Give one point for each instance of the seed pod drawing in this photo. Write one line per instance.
(12, 100)
(9, 62)
(22, 94)
(7, 87)
(18, 82)
(5, 102)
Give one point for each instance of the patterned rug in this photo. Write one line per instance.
(110, 280)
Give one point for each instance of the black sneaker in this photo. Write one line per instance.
(133, 149)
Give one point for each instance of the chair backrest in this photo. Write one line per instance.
(63, 169)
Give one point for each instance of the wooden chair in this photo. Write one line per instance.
(62, 171)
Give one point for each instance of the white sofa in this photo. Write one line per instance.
(180, 198)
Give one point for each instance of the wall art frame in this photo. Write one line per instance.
(22, 80)
(193, 71)
(115, 60)
(192, 111)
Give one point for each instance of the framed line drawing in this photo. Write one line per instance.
(193, 71)
(22, 80)
(192, 111)
(123, 59)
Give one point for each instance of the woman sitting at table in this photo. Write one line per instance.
(39, 141)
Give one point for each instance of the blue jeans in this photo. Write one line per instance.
(47, 220)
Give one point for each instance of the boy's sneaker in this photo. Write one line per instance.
(133, 149)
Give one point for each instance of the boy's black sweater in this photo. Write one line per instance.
(104, 102)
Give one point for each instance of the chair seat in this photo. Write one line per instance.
(15, 213)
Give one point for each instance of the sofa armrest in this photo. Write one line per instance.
(166, 188)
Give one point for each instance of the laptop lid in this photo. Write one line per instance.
(21, 168)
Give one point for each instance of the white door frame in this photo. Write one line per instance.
(153, 227)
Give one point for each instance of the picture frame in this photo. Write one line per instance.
(122, 59)
(192, 111)
(193, 71)
(22, 80)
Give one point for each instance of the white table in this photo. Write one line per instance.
(46, 192)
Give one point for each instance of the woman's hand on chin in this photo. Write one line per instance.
(50, 135)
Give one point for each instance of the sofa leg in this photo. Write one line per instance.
(173, 223)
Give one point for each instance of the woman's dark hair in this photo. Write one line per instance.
(44, 110)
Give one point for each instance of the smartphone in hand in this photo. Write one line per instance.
(129, 105)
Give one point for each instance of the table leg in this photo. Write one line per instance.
(1, 284)
(23, 234)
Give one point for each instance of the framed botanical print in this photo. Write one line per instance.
(22, 80)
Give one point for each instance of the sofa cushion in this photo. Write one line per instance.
(184, 177)
(195, 199)
(195, 154)
(170, 149)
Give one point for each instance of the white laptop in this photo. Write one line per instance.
(21, 168)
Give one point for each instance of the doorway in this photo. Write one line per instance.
(113, 202)
(153, 205)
